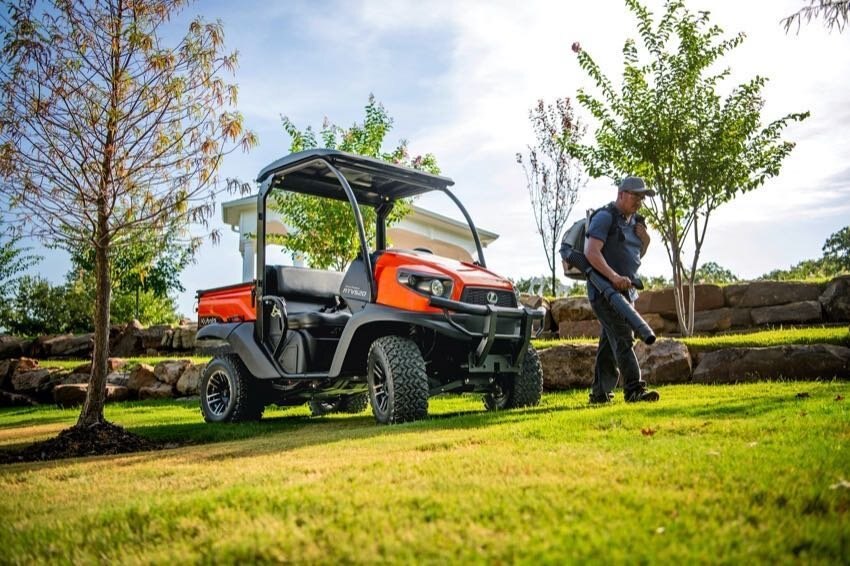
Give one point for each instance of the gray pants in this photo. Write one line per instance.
(614, 352)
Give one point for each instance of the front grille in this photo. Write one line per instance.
(478, 296)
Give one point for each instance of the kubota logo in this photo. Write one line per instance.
(492, 297)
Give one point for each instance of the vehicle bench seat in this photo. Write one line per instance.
(302, 284)
(306, 291)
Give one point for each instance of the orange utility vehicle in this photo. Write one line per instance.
(398, 327)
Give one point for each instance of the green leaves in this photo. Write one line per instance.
(323, 231)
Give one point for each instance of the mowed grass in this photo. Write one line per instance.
(836, 335)
(721, 474)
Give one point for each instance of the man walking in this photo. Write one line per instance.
(616, 240)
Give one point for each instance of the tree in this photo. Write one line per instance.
(836, 250)
(552, 175)
(106, 131)
(323, 230)
(835, 14)
(13, 261)
(669, 125)
(714, 273)
(151, 264)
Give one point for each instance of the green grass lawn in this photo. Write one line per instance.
(730, 474)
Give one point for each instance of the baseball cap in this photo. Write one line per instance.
(635, 185)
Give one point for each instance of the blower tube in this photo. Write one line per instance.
(617, 301)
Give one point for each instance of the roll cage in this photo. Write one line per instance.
(364, 181)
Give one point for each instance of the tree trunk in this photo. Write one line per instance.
(92, 412)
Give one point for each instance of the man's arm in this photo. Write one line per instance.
(640, 230)
(593, 253)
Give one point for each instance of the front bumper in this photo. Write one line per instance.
(487, 324)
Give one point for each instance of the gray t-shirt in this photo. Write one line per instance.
(621, 247)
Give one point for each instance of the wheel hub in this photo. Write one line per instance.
(218, 393)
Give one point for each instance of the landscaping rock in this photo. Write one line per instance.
(33, 381)
(152, 337)
(579, 328)
(567, 366)
(715, 320)
(157, 390)
(836, 299)
(74, 395)
(666, 361)
(129, 341)
(118, 378)
(142, 376)
(170, 371)
(533, 301)
(663, 302)
(732, 365)
(572, 308)
(7, 368)
(806, 311)
(769, 293)
(9, 399)
(64, 346)
(190, 379)
(76, 378)
(14, 347)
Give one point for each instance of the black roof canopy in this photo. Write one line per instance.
(372, 181)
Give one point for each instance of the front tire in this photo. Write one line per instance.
(398, 383)
(229, 393)
(521, 390)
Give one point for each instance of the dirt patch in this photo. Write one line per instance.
(75, 442)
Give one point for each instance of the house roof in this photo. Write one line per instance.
(232, 210)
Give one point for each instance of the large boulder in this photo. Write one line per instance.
(35, 380)
(152, 336)
(64, 346)
(663, 301)
(666, 361)
(9, 399)
(572, 308)
(157, 390)
(141, 376)
(190, 379)
(170, 371)
(769, 293)
(579, 328)
(805, 311)
(732, 365)
(836, 299)
(14, 347)
(7, 368)
(718, 320)
(567, 366)
(129, 340)
(75, 394)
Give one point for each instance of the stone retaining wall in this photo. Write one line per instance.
(24, 382)
(668, 361)
(717, 309)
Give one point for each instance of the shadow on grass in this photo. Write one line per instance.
(304, 431)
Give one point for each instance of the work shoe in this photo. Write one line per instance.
(642, 395)
(594, 400)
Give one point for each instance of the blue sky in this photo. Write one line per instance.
(459, 79)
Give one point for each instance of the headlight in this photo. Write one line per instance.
(426, 284)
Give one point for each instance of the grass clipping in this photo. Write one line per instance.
(76, 442)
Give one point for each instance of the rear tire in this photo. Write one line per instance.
(398, 383)
(229, 393)
(521, 390)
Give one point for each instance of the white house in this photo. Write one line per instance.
(419, 229)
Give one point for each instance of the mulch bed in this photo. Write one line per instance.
(75, 442)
